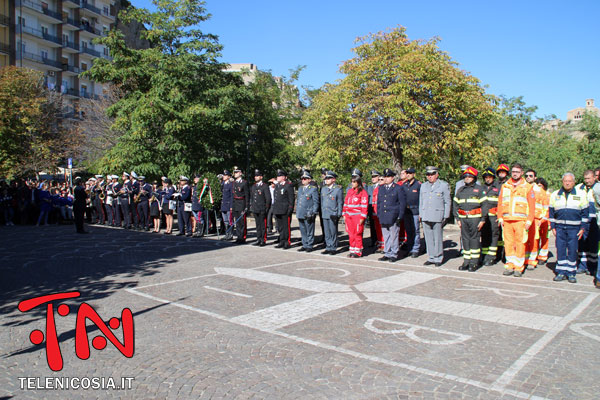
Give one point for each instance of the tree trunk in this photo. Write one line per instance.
(397, 158)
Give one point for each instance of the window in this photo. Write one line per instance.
(65, 39)
(44, 54)
(44, 6)
(105, 10)
(21, 21)
(84, 44)
(84, 66)
(45, 30)
(83, 90)
(106, 51)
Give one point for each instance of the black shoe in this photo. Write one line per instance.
(392, 259)
(188, 235)
(542, 262)
(180, 234)
(325, 252)
(332, 252)
(463, 267)
(301, 249)
(256, 244)
(384, 258)
(309, 250)
(279, 245)
(438, 264)
(286, 246)
(414, 255)
(472, 268)
(428, 263)
(262, 244)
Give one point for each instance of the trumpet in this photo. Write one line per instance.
(102, 196)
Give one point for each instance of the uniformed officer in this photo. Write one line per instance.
(569, 220)
(143, 206)
(109, 200)
(490, 231)
(260, 203)
(321, 184)
(79, 204)
(283, 208)
(434, 211)
(307, 208)
(123, 191)
(502, 174)
(391, 205)
(468, 213)
(134, 191)
(587, 261)
(197, 209)
(376, 235)
(332, 203)
(99, 189)
(227, 204)
(184, 207)
(412, 188)
(241, 202)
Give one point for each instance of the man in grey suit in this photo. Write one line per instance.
(434, 211)
(332, 203)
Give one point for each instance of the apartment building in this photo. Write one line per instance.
(56, 37)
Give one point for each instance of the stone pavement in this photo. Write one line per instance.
(216, 320)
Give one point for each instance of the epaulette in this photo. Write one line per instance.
(336, 186)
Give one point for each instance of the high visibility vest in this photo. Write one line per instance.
(512, 202)
(541, 204)
(569, 210)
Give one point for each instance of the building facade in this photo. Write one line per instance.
(56, 37)
(577, 113)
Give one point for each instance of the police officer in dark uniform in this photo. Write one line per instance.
(490, 231)
(79, 204)
(391, 205)
(98, 189)
(241, 201)
(260, 202)
(320, 186)
(143, 206)
(468, 213)
(412, 188)
(197, 209)
(227, 203)
(283, 208)
(184, 207)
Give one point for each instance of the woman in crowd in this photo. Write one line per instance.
(155, 207)
(168, 204)
(45, 201)
(355, 213)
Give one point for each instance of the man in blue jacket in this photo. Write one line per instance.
(227, 203)
(412, 188)
(307, 207)
(184, 207)
(391, 203)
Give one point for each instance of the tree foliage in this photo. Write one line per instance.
(401, 99)
(180, 112)
(31, 136)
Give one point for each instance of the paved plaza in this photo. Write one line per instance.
(217, 320)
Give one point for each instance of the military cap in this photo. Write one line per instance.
(389, 172)
(236, 169)
(126, 174)
(134, 175)
(323, 171)
(330, 174)
(198, 175)
(163, 178)
(356, 172)
(306, 175)
(281, 172)
(411, 170)
(142, 178)
(489, 171)
(114, 177)
(375, 173)
(92, 179)
(470, 171)
(77, 179)
(99, 176)
(167, 180)
(184, 178)
(502, 167)
(226, 172)
(430, 169)
(258, 172)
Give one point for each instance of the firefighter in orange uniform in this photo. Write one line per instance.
(516, 214)
(544, 231)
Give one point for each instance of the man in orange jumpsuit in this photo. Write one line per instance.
(542, 202)
(516, 214)
(544, 224)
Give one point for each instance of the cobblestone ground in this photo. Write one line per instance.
(217, 320)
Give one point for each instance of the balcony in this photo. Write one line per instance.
(4, 20)
(34, 5)
(76, 2)
(71, 68)
(88, 6)
(88, 28)
(71, 46)
(39, 59)
(4, 48)
(87, 95)
(71, 92)
(73, 22)
(90, 51)
(39, 34)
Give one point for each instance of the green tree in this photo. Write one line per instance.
(405, 99)
(32, 137)
(180, 112)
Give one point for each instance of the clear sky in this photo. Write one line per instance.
(547, 51)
